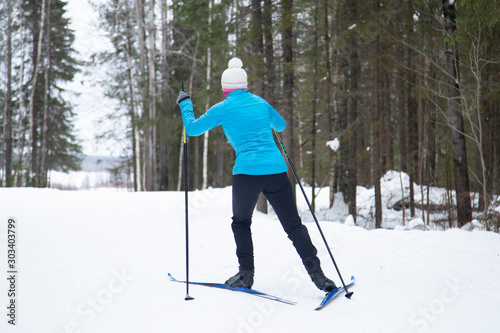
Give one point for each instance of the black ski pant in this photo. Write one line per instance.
(278, 191)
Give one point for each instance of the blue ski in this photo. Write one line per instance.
(334, 293)
(244, 290)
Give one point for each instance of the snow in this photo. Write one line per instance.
(333, 144)
(97, 261)
(349, 220)
(416, 223)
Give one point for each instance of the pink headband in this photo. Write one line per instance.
(227, 91)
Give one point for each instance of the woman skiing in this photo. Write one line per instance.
(248, 122)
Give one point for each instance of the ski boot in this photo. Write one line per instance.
(322, 282)
(243, 279)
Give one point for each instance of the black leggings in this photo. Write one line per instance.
(279, 193)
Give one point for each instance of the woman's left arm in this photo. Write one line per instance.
(278, 123)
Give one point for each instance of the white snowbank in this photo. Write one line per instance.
(394, 186)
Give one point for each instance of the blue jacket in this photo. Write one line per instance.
(247, 121)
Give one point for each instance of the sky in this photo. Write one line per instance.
(84, 92)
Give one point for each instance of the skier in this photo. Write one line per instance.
(248, 121)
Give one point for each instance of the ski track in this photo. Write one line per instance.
(98, 261)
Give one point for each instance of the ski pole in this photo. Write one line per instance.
(348, 294)
(187, 298)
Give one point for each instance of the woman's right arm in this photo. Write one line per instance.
(195, 127)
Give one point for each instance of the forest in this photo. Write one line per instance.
(365, 87)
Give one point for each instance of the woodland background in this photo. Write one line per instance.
(412, 86)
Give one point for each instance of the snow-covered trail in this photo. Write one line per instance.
(98, 262)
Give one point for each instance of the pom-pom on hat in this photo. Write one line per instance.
(234, 77)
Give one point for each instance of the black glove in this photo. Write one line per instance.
(182, 97)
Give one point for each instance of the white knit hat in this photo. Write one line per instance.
(234, 77)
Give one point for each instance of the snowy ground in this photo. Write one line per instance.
(97, 261)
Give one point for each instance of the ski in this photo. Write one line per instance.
(244, 290)
(328, 297)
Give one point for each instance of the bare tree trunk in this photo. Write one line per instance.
(164, 148)
(402, 116)
(18, 174)
(330, 108)
(432, 156)
(143, 152)
(288, 80)
(352, 166)
(403, 197)
(411, 104)
(42, 177)
(451, 216)
(456, 122)
(477, 126)
(152, 99)
(342, 122)
(45, 127)
(8, 100)
(207, 105)
(134, 117)
(269, 93)
(257, 47)
(300, 141)
(495, 139)
(387, 115)
(32, 152)
(422, 155)
(376, 160)
(314, 107)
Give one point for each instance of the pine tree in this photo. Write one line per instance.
(53, 144)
